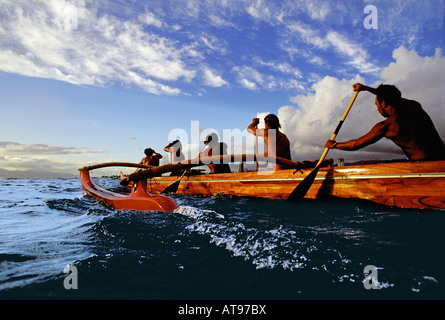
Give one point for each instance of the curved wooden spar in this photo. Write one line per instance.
(115, 164)
(233, 158)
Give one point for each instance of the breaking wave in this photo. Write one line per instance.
(277, 248)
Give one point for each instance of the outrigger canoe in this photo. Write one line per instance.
(404, 184)
(138, 199)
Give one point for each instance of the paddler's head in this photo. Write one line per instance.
(272, 122)
(211, 139)
(387, 96)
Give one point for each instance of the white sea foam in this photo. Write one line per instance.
(195, 212)
(275, 248)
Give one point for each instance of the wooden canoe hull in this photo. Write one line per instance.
(401, 184)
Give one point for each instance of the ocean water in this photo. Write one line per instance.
(213, 248)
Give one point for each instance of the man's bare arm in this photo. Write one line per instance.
(376, 133)
(252, 128)
(361, 87)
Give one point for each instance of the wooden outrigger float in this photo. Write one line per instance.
(138, 199)
(403, 184)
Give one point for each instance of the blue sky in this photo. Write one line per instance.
(85, 82)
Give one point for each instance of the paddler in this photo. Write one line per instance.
(406, 124)
(151, 157)
(216, 148)
(279, 145)
(175, 150)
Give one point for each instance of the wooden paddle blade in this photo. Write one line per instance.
(172, 188)
(300, 191)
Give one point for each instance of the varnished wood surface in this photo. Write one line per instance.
(138, 199)
(401, 184)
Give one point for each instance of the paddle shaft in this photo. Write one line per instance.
(256, 152)
(303, 187)
(340, 124)
(174, 186)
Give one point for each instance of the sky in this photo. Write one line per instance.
(86, 82)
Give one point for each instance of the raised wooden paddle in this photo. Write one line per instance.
(174, 186)
(303, 187)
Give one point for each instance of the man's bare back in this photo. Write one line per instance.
(414, 132)
(277, 143)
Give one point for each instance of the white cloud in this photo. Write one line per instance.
(421, 79)
(279, 66)
(252, 79)
(260, 9)
(314, 120)
(359, 58)
(212, 44)
(37, 167)
(40, 160)
(220, 21)
(161, 45)
(411, 21)
(308, 34)
(317, 10)
(99, 50)
(353, 53)
(248, 77)
(211, 79)
(8, 148)
(149, 18)
(279, 11)
(248, 84)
